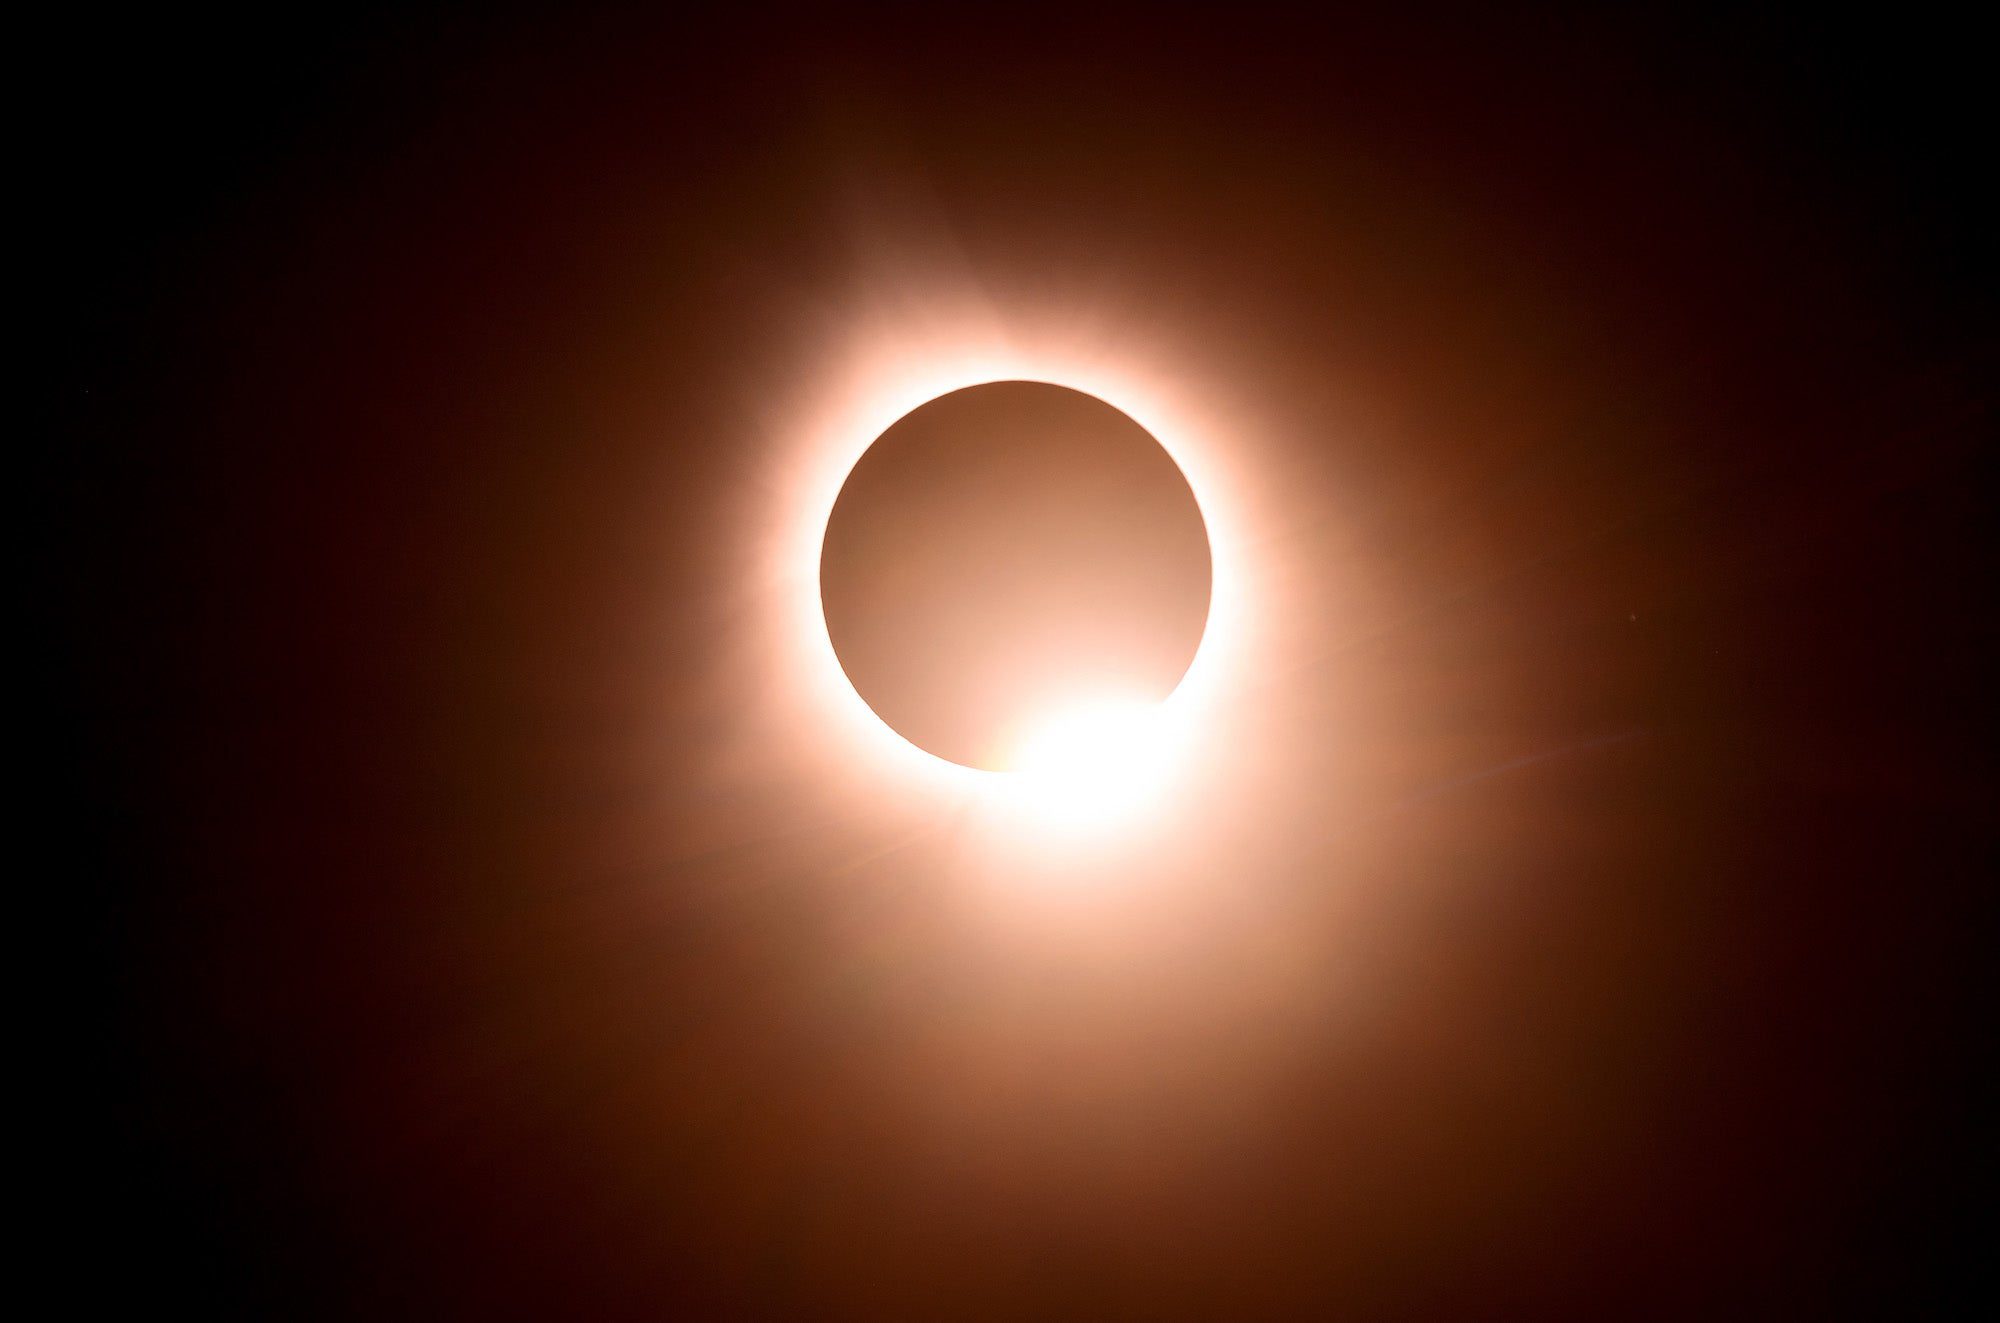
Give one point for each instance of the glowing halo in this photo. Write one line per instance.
(852, 406)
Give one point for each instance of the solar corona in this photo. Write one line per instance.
(1015, 576)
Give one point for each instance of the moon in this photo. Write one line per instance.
(1007, 552)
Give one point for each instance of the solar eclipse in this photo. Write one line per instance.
(927, 663)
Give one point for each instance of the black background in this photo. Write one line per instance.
(405, 369)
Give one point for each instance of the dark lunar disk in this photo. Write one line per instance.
(1005, 551)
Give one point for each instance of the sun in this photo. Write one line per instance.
(1093, 763)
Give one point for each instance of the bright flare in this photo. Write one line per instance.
(1093, 763)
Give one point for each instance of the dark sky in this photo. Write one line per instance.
(1584, 915)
